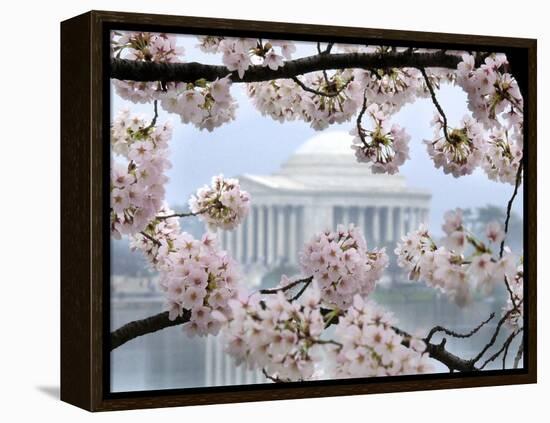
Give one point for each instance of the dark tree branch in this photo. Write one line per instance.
(150, 238)
(360, 115)
(322, 93)
(454, 334)
(190, 72)
(435, 102)
(509, 206)
(142, 327)
(440, 353)
(502, 349)
(186, 214)
(155, 116)
(301, 291)
(160, 321)
(305, 281)
(493, 338)
(519, 354)
(272, 378)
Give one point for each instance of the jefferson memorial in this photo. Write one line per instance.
(320, 186)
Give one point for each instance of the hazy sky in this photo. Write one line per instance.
(256, 144)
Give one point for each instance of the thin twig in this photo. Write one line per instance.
(301, 291)
(186, 214)
(454, 334)
(493, 338)
(322, 93)
(360, 118)
(501, 350)
(519, 354)
(272, 378)
(286, 287)
(435, 102)
(509, 207)
(150, 238)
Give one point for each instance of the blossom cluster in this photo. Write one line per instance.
(452, 267)
(392, 87)
(280, 336)
(385, 147)
(222, 204)
(372, 347)
(157, 237)
(457, 150)
(492, 92)
(285, 100)
(197, 278)
(238, 54)
(138, 174)
(207, 105)
(342, 266)
(503, 154)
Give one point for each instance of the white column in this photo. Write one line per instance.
(239, 241)
(345, 216)
(239, 374)
(271, 222)
(401, 223)
(260, 248)
(376, 225)
(292, 235)
(218, 352)
(361, 222)
(209, 361)
(227, 380)
(417, 218)
(229, 238)
(249, 376)
(280, 233)
(389, 224)
(250, 235)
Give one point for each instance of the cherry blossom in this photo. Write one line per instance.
(222, 204)
(384, 146)
(207, 105)
(157, 237)
(461, 265)
(138, 177)
(503, 154)
(457, 150)
(198, 277)
(277, 335)
(341, 264)
(285, 100)
(492, 92)
(371, 347)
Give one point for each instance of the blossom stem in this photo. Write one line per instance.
(285, 288)
(435, 102)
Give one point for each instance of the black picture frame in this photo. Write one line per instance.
(85, 156)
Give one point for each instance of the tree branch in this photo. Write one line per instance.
(142, 327)
(502, 349)
(509, 206)
(285, 288)
(160, 321)
(322, 93)
(190, 72)
(454, 334)
(435, 102)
